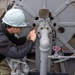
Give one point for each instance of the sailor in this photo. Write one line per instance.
(11, 46)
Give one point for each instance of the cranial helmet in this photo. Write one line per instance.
(14, 17)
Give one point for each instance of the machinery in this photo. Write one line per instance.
(55, 24)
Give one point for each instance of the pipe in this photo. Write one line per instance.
(43, 4)
(44, 48)
(44, 40)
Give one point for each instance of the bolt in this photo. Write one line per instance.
(47, 28)
(36, 18)
(38, 32)
(54, 24)
(41, 28)
(50, 32)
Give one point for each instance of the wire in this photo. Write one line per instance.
(30, 60)
(32, 70)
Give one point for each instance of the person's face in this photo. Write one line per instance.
(17, 30)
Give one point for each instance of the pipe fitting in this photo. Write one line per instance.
(44, 40)
(44, 44)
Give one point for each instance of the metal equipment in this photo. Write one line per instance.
(55, 24)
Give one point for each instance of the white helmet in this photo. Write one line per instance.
(14, 17)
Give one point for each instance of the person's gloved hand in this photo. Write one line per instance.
(32, 35)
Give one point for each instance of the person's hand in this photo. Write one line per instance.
(32, 35)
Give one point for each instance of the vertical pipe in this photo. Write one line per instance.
(44, 48)
(44, 3)
(6, 5)
(37, 54)
(43, 66)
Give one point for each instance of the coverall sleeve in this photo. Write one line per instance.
(9, 49)
(19, 41)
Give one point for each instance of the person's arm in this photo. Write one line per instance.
(9, 49)
(20, 41)
(20, 51)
